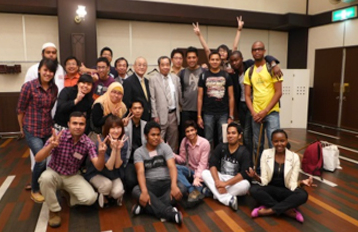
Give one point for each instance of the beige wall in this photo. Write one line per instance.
(151, 40)
(330, 36)
(21, 39)
(272, 6)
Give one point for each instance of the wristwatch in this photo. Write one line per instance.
(232, 117)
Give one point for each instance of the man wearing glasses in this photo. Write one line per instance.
(266, 89)
(102, 76)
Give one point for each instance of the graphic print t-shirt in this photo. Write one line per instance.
(215, 87)
(190, 94)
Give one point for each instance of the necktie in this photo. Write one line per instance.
(168, 91)
(144, 88)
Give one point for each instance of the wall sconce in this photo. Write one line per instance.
(81, 13)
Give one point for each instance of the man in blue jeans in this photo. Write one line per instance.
(215, 98)
(192, 160)
(266, 92)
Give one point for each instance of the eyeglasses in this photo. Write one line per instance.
(257, 49)
(101, 67)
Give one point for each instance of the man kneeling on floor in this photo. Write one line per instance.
(192, 161)
(69, 149)
(157, 177)
(227, 177)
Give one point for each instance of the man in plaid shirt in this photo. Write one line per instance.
(69, 150)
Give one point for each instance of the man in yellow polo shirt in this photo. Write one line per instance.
(266, 91)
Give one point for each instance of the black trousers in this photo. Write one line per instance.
(280, 199)
(130, 177)
(161, 203)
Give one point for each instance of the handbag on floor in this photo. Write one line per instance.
(330, 156)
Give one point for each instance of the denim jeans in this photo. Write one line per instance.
(210, 121)
(186, 179)
(36, 144)
(270, 123)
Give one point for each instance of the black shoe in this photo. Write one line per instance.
(178, 218)
(137, 209)
(233, 203)
(207, 192)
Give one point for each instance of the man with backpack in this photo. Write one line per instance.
(262, 94)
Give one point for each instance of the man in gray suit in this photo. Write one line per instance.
(165, 97)
(135, 133)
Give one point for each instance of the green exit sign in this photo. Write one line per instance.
(343, 14)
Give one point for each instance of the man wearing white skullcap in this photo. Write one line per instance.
(49, 50)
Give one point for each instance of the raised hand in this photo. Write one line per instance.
(79, 97)
(55, 138)
(102, 147)
(126, 119)
(196, 28)
(240, 23)
(121, 142)
(116, 110)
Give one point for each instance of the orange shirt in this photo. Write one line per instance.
(71, 82)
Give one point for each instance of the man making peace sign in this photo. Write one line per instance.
(69, 149)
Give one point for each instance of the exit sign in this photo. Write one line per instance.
(343, 14)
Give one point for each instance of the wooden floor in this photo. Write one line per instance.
(328, 208)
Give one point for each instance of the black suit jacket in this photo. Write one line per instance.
(133, 90)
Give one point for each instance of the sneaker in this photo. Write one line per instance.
(178, 218)
(100, 200)
(299, 216)
(233, 203)
(137, 209)
(207, 192)
(175, 210)
(54, 219)
(37, 197)
(195, 196)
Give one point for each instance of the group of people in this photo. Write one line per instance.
(96, 133)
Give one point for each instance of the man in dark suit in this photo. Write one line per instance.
(137, 86)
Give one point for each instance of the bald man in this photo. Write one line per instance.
(266, 89)
(137, 86)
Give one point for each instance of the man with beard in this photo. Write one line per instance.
(227, 177)
(266, 92)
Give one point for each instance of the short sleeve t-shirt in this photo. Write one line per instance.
(215, 85)
(263, 88)
(100, 87)
(155, 162)
(190, 93)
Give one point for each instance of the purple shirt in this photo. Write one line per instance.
(67, 157)
(36, 103)
(100, 87)
(198, 155)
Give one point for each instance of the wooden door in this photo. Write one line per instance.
(325, 99)
(350, 95)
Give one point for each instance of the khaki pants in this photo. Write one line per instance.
(107, 187)
(81, 192)
(169, 132)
